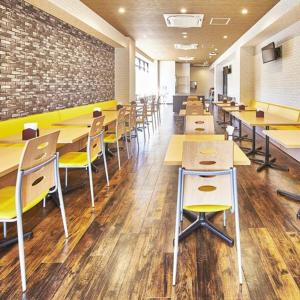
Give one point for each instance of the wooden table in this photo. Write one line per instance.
(174, 152)
(10, 157)
(67, 135)
(182, 113)
(249, 118)
(289, 139)
(87, 119)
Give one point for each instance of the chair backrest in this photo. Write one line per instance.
(94, 146)
(199, 124)
(207, 156)
(36, 173)
(194, 110)
(120, 123)
(132, 116)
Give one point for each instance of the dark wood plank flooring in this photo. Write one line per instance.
(123, 249)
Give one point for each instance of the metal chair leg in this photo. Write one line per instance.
(118, 152)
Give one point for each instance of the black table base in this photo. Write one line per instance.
(270, 162)
(201, 221)
(8, 242)
(291, 196)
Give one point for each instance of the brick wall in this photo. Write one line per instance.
(46, 64)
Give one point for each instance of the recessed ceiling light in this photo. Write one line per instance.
(183, 10)
(244, 11)
(185, 33)
(216, 49)
(212, 53)
(122, 10)
(185, 36)
(225, 37)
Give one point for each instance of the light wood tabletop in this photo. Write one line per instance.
(249, 117)
(221, 104)
(287, 138)
(182, 113)
(10, 157)
(67, 135)
(175, 149)
(236, 108)
(87, 119)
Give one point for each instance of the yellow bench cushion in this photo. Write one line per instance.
(8, 202)
(74, 159)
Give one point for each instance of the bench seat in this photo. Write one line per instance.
(47, 119)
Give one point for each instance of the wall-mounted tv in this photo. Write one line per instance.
(270, 53)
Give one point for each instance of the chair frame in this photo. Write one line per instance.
(89, 166)
(19, 208)
(202, 221)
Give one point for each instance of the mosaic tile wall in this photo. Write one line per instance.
(46, 64)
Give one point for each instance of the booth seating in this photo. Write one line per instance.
(283, 111)
(45, 120)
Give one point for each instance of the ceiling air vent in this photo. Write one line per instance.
(186, 46)
(184, 20)
(219, 21)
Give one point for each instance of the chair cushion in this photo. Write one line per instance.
(110, 138)
(74, 159)
(8, 202)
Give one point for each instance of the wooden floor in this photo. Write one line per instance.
(122, 249)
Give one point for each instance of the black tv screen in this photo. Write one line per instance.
(269, 53)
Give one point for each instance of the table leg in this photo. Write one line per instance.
(270, 163)
(255, 150)
(242, 137)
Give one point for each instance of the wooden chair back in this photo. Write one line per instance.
(120, 124)
(132, 116)
(94, 141)
(194, 110)
(199, 124)
(37, 176)
(207, 156)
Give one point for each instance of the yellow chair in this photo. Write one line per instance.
(131, 126)
(113, 137)
(37, 176)
(206, 183)
(142, 119)
(84, 160)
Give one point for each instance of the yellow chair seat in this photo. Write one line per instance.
(74, 159)
(206, 208)
(110, 138)
(8, 202)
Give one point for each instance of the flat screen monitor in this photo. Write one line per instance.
(269, 53)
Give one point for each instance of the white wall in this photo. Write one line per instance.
(247, 75)
(182, 71)
(167, 80)
(125, 73)
(279, 81)
(204, 78)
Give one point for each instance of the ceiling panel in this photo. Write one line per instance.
(144, 22)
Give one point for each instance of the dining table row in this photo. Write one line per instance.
(36, 151)
(275, 123)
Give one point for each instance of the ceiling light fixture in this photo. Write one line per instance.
(244, 11)
(225, 37)
(185, 33)
(187, 58)
(216, 49)
(212, 53)
(186, 46)
(185, 36)
(122, 10)
(183, 10)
